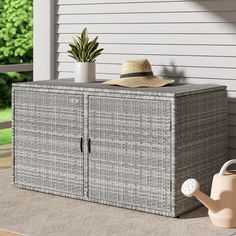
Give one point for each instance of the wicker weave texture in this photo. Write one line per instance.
(201, 142)
(130, 152)
(47, 130)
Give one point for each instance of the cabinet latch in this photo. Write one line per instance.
(89, 145)
(81, 144)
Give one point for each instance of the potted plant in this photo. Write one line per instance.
(85, 53)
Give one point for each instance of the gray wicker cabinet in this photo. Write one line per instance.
(47, 130)
(129, 148)
(126, 142)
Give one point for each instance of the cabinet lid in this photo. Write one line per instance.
(173, 90)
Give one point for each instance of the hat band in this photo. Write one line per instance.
(137, 74)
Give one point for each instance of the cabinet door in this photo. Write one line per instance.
(130, 157)
(47, 132)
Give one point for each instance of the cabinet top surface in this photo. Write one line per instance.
(168, 91)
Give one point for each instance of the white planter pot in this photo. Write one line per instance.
(85, 72)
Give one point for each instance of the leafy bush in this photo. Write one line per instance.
(16, 42)
(6, 81)
(16, 31)
(5, 134)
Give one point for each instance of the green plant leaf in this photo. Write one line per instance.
(92, 45)
(75, 55)
(77, 45)
(93, 48)
(84, 34)
(73, 48)
(71, 55)
(95, 54)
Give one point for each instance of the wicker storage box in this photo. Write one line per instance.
(129, 148)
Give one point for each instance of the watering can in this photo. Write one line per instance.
(222, 203)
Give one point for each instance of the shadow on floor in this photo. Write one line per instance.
(197, 213)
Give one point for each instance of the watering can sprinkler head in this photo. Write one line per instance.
(190, 187)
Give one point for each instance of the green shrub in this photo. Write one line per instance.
(16, 31)
(6, 81)
(5, 134)
(16, 42)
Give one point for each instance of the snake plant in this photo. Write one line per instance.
(83, 50)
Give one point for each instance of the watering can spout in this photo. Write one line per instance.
(191, 188)
(210, 203)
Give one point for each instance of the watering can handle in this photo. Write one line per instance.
(226, 165)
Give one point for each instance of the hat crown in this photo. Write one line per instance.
(138, 73)
(134, 66)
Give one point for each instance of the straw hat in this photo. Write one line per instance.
(138, 73)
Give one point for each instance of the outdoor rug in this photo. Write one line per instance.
(32, 213)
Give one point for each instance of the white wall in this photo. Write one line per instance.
(192, 41)
(44, 43)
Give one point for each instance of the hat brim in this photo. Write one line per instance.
(136, 82)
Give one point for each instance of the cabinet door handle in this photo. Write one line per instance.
(89, 145)
(81, 144)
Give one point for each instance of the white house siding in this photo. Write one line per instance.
(191, 41)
